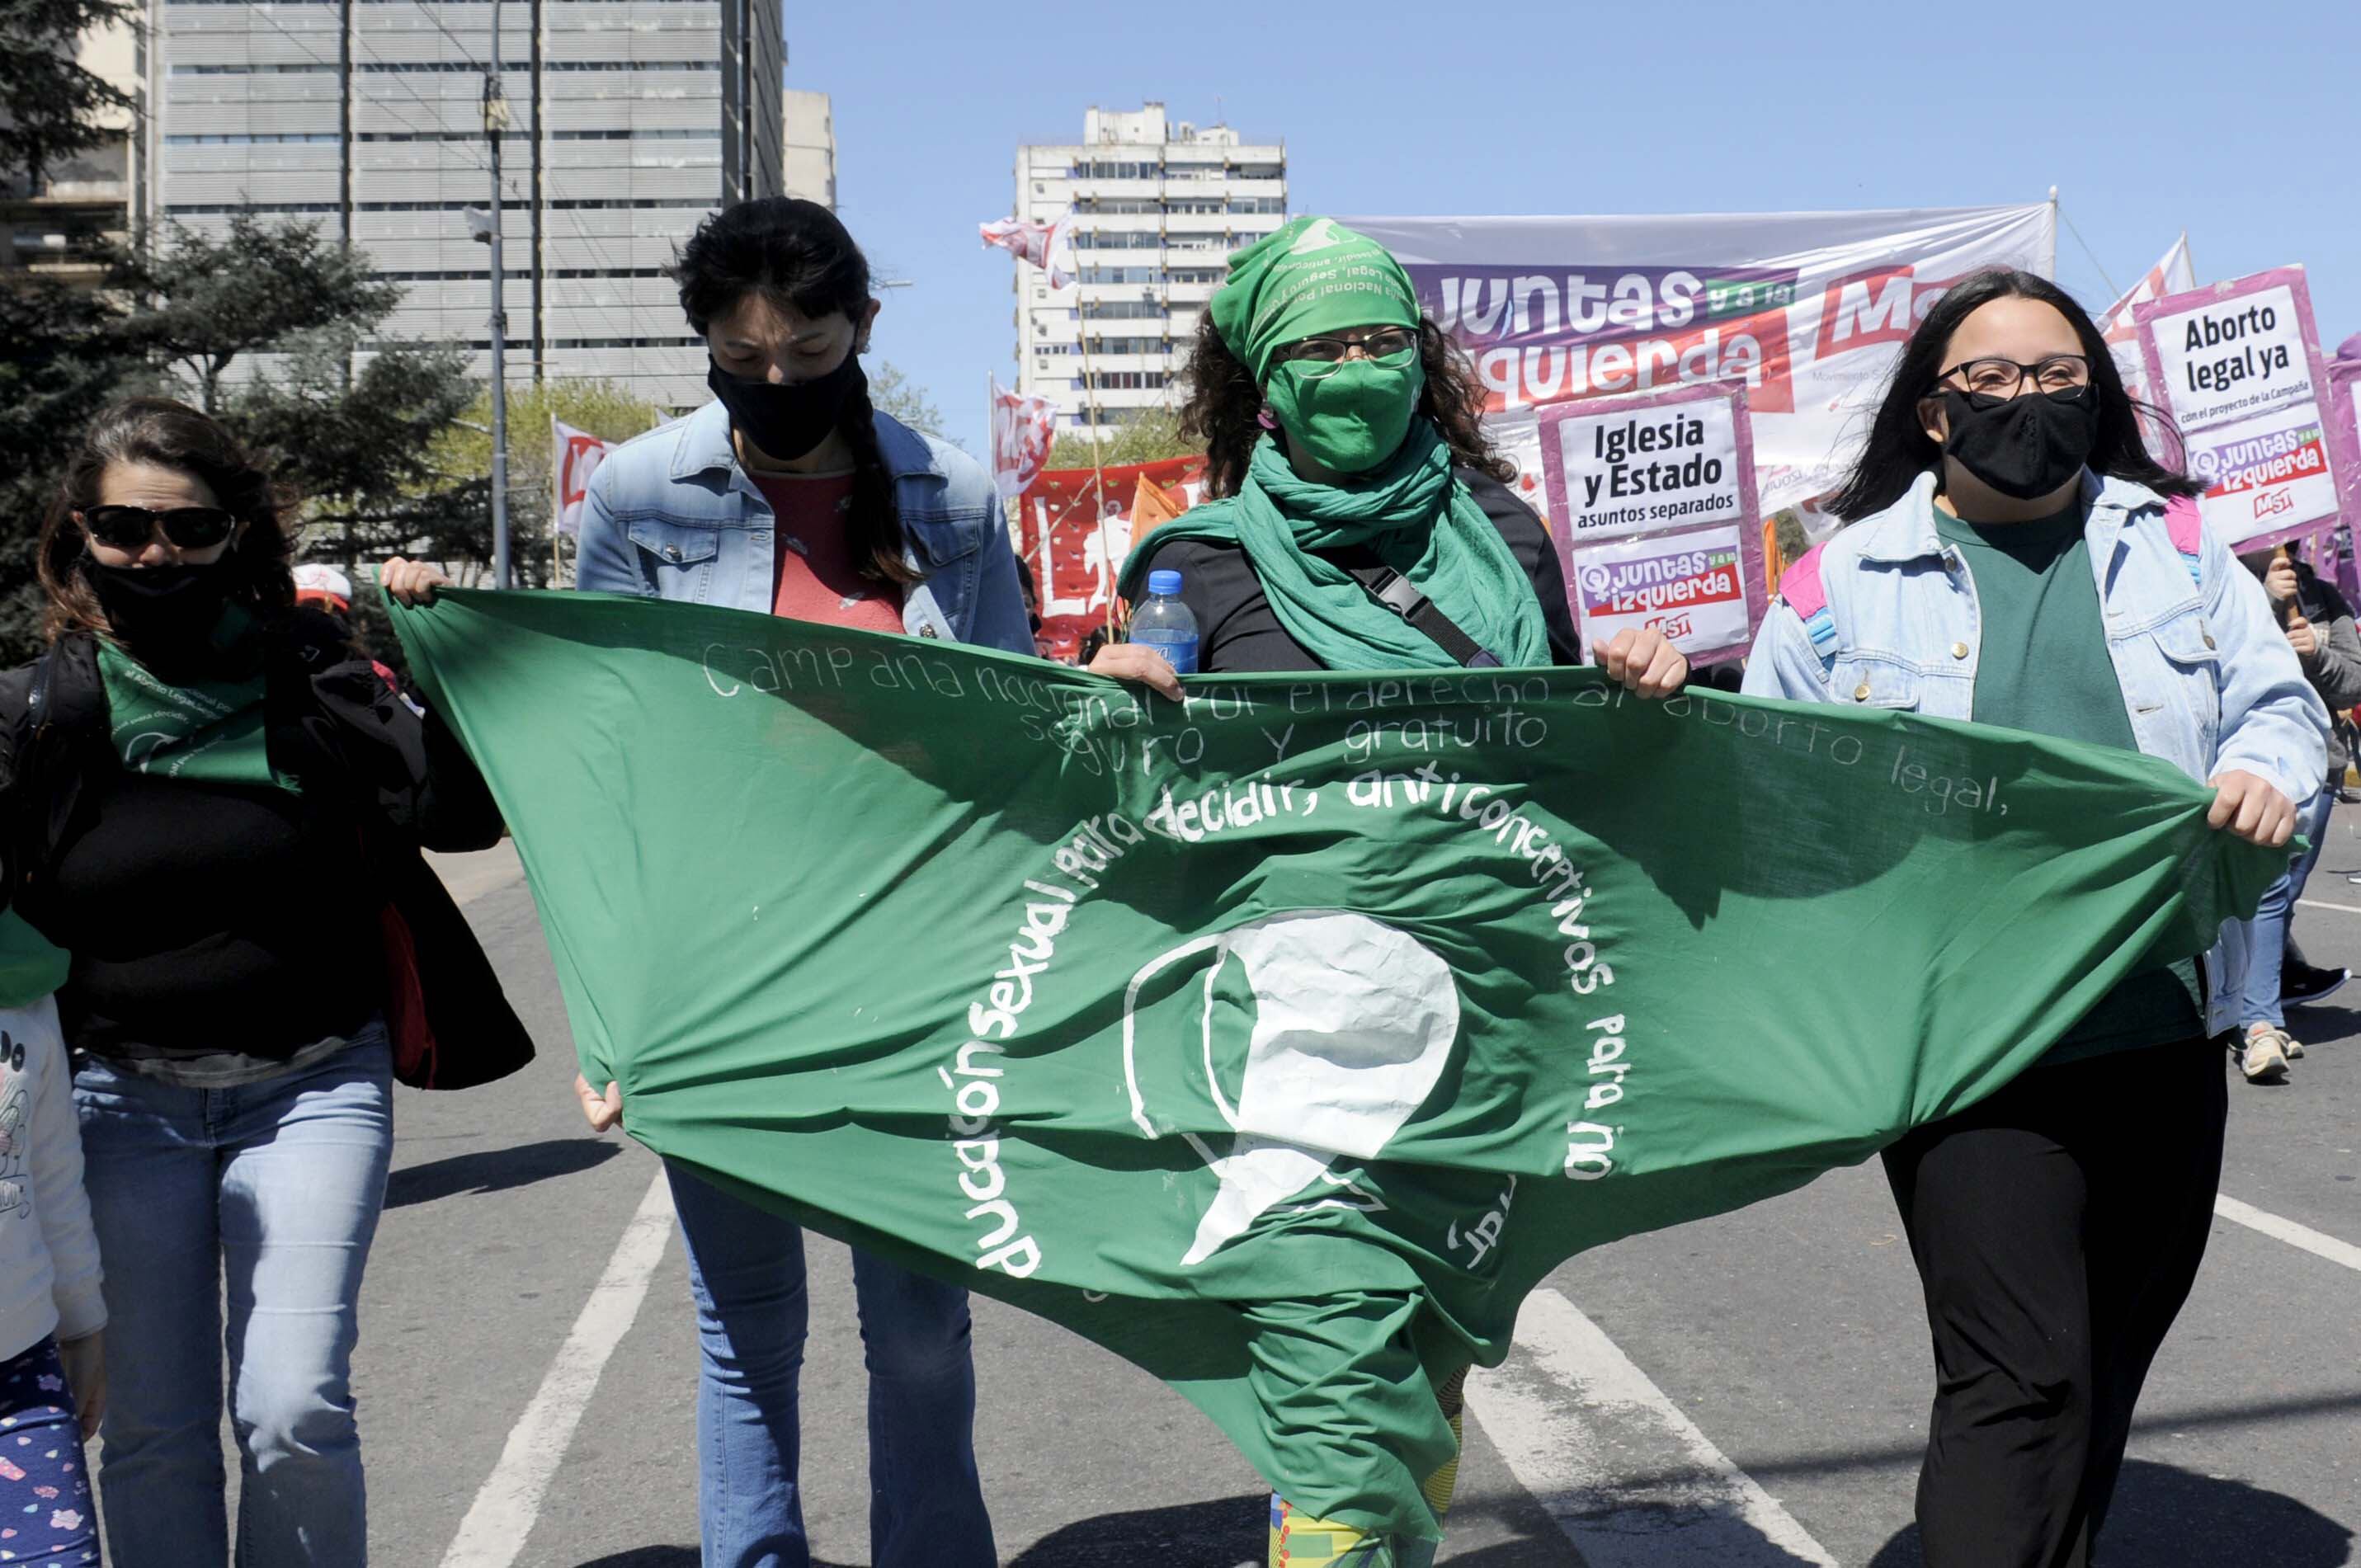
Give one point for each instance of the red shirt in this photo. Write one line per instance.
(814, 575)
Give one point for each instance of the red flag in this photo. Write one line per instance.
(1023, 429)
(574, 455)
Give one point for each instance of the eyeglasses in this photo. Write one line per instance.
(1324, 355)
(133, 528)
(2007, 378)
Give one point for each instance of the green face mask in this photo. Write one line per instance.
(1352, 418)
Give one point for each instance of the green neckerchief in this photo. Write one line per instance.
(30, 967)
(206, 732)
(1420, 521)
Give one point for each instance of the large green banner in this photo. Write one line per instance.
(1282, 1039)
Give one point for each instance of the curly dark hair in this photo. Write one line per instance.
(1223, 403)
(170, 435)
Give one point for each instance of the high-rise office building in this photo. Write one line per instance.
(1155, 207)
(51, 230)
(628, 122)
(811, 147)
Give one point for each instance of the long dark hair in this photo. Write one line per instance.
(1224, 404)
(167, 434)
(1899, 450)
(797, 255)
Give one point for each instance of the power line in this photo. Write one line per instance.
(256, 9)
(447, 33)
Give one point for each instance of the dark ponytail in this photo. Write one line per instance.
(1899, 450)
(797, 255)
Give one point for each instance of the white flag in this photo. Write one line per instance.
(2173, 274)
(574, 456)
(1037, 243)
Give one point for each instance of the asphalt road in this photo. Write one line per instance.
(1743, 1392)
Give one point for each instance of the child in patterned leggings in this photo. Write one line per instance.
(52, 1375)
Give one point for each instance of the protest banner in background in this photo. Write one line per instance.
(1074, 541)
(1282, 1040)
(1807, 311)
(2237, 363)
(574, 455)
(1024, 427)
(1655, 507)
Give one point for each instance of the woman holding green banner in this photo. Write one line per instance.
(789, 495)
(1360, 520)
(206, 798)
(2015, 557)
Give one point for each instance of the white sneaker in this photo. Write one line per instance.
(2294, 1046)
(2264, 1058)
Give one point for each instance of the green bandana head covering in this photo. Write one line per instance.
(1314, 276)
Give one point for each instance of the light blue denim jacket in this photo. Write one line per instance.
(673, 515)
(2209, 682)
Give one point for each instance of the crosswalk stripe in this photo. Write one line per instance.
(502, 1515)
(1582, 1429)
(2317, 1243)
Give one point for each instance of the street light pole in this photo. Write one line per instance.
(496, 120)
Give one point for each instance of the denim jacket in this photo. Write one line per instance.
(2209, 682)
(673, 515)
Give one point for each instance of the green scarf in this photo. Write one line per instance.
(205, 732)
(1422, 522)
(30, 967)
(1314, 276)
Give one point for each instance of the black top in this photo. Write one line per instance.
(1238, 630)
(211, 920)
(208, 920)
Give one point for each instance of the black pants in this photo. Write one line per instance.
(2057, 1227)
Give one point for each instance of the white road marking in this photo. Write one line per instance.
(2316, 1242)
(2340, 908)
(495, 1527)
(1628, 1477)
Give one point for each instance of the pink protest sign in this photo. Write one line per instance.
(1653, 504)
(2239, 367)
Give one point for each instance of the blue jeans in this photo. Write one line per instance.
(926, 1501)
(2257, 948)
(279, 1183)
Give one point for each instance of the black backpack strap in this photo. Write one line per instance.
(1402, 596)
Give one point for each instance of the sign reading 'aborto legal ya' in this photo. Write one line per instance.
(2239, 368)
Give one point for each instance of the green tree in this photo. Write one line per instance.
(59, 364)
(893, 394)
(603, 408)
(261, 287)
(50, 106)
(1148, 436)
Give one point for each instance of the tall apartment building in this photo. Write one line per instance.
(88, 195)
(1156, 208)
(811, 147)
(629, 121)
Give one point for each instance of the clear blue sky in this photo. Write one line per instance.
(2239, 120)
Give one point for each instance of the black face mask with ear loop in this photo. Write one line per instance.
(785, 420)
(2026, 447)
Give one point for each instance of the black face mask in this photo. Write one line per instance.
(162, 613)
(786, 419)
(2026, 447)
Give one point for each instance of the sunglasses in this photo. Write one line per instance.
(132, 528)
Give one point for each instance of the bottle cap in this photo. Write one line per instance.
(1164, 582)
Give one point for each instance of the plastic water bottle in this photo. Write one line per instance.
(1163, 622)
